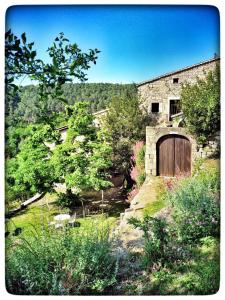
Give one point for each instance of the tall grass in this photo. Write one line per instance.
(61, 263)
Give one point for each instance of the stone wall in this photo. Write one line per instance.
(162, 89)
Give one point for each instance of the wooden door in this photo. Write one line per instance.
(173, 156)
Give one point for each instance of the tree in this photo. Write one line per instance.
(125, 123)
(66, 63)
(82, 161)
(201, 106)
(31, 171)
(20, 59)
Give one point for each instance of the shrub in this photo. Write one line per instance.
(196, 206)
(156, 239)
(61, 263)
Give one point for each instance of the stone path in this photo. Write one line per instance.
(129, 237)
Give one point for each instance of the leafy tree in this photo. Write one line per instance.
(31, 171)
(20, 59)
(15, 135)
(125, 123)
(82, 160)
(66, 63)
(31, 168)
(201, 106)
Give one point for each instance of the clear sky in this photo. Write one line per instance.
(136, 42)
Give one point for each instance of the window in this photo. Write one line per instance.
(175, 80)
(175, 107)
(155, 107)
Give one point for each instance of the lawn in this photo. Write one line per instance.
(38, 215)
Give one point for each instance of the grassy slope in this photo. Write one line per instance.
(198, 275)
(39, 214)
(159, 202)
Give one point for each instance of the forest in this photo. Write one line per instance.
(24, 104)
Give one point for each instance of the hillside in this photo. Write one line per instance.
(24, 105)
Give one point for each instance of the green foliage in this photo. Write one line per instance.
(20, 59)
(183, 256)
(66, 63)
(31, 170)
(25, 104)
(201, 106)
(67, 199)
(196, 206)
(160, 201)
(141, 179)
(13, 192)
(34, 172)
(81, 162)
(156, 240)
(125, 123)
(200, 275)
(62, 263)
(140, 164)
(14, 136)
(154, 206)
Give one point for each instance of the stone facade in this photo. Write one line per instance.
(165, 88)
(153, 135)
(156, 94)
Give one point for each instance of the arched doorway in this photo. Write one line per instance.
(173, 156)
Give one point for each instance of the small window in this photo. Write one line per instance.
(175, 108)
(155, 107)
(175, 80)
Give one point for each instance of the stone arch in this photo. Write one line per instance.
(153, 135)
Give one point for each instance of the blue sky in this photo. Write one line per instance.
(136, 42)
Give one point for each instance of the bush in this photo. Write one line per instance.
(61, 263)
(156, 239)
(196, 206)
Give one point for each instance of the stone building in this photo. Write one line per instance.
(170, 150)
